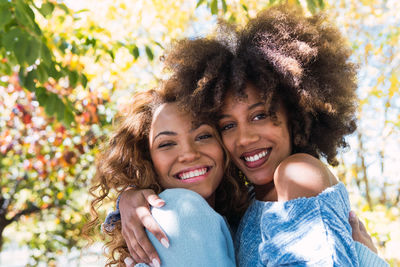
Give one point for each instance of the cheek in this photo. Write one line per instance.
(216, 153)
(228, 141)
(160, 164)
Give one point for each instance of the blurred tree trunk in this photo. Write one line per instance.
(363, 168)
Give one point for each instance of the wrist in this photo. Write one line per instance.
(129, 187)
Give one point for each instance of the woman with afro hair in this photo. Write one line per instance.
(282, 92)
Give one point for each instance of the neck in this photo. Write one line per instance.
(266, 192)
(211, 200)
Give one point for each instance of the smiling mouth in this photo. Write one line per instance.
(256, 158)
(192, 173)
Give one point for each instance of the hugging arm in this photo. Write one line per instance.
(134, 207)
(199, 236)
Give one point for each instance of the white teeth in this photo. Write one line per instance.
(256, 157)
(191, 174)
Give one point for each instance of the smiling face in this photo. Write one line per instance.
(256, 142)
(185, 156)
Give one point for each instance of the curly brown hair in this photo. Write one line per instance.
(303, 62)
(126, 161)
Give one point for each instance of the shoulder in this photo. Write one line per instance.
(302, 175)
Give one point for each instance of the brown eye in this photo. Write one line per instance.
(260, 116)
(167, 144)
(226, 127)
(204, 136)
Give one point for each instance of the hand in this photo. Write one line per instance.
(134, 208)
(359, 232)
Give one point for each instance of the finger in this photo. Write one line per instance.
(353, 220)
(135, 250)
(129, 262)
(362, 226)
(152, 226)
(153, 199)
(355, 233)
(148, 248)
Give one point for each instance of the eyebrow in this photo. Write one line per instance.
(169, 133)
(249, 108)
(197, 126)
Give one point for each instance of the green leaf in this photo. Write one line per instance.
(149, 53)
(83, 80)
(224, 6)
(52, 71)
(11, 37)
(29, 81)
(45, 54)
(26, 17)
(135, 52)
(311, 6)
(199, 3)
(42, 73)
(214, 7)
(32, 51)
(46, 9)
(59, 110)
(68, 117)
(51, 103)
(158, 44)
(5, 15)
(20, 49)
(111, 53)
(73, 78)
(245, 8)
(63, 7)
(41, 96)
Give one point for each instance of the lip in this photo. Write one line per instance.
(256, 163)
(193, 169)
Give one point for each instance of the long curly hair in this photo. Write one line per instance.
(126, 161)
(302, 62)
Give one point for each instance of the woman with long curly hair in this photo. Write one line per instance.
(283, 97)
(160, 145)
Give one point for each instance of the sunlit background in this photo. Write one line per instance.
(67, 66)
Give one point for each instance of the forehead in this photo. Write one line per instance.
(170, 114)
(252, 96)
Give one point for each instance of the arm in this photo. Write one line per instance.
(134, 208)
(366, 251)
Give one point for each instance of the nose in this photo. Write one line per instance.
(246, 137)
(188, 153)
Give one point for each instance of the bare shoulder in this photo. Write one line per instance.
(302, 175)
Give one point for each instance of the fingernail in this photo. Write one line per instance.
(352, 215)
(165, 242)
(128, 262)
(160, 202)
(155, 263)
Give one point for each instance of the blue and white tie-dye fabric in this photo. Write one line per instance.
(302, 232)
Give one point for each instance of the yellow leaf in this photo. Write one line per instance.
(381, 79)
(394, 85)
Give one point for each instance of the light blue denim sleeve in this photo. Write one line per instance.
(198, 235)
(308, 231)
(367, 258)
